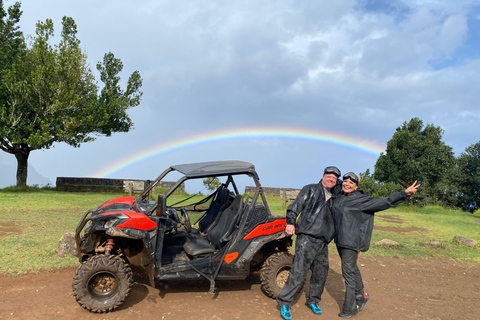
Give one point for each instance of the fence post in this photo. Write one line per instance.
(130, 188)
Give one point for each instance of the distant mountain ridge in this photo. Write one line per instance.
(8, 173)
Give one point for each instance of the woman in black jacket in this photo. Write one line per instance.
(353, 213)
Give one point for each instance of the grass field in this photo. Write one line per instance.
(424, 225)
(31, 223)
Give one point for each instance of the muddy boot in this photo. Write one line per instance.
(347, 314)
(362, 300)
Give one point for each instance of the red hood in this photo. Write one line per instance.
(120, 200)
(123, 205)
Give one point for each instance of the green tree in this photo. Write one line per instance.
(416, 152)
(468, 178)
(376, 189)
(211, 183)
(52, 96)
(11, 40)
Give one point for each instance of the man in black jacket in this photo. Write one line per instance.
(314, 230)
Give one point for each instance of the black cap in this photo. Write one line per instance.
(333, 170)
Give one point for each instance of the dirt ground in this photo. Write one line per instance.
(398, 288)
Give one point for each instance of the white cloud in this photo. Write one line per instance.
(330, 65)
(452, 34)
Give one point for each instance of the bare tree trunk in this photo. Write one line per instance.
(410, 200)
(21, 153)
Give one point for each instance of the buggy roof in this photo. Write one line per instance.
(215, 168)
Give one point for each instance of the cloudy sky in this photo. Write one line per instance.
(291, 86)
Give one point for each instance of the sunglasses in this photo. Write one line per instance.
(352, 176)
(333, 170)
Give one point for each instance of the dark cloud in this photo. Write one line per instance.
(357, 68)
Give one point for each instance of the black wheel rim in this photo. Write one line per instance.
(103, 285)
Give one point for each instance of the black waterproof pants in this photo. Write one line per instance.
(310, 254)
(353, 278)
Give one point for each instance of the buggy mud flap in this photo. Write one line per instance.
(257, 244)
(151, 276)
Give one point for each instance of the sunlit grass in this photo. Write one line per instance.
(426, 224)
(31, 224)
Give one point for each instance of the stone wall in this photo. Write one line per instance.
(288, 192)
(75, 184)
(71, 184)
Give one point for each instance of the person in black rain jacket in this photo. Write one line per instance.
(353, 214)
(314, 229)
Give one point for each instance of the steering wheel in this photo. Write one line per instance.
(186, 219)
(172, 214)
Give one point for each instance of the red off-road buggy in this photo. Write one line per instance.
(235, 236)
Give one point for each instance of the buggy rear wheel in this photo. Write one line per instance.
(275, 272)
(102, 283)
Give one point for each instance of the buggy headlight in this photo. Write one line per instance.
(110, 223)
(115, 219)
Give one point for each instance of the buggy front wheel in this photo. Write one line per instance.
(102, 283)
(275, 273)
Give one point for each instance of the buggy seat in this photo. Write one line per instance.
(219, 233)
(222, 200)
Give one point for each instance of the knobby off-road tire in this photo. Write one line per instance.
(102, 283)
(275, 272)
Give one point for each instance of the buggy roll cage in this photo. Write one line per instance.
(210, 169)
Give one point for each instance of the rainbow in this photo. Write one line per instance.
(292, 133)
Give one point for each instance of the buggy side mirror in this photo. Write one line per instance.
(161, 205)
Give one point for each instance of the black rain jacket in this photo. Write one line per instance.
(353, 217)
(315, 214)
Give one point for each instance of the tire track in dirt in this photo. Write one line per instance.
(399, 289)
